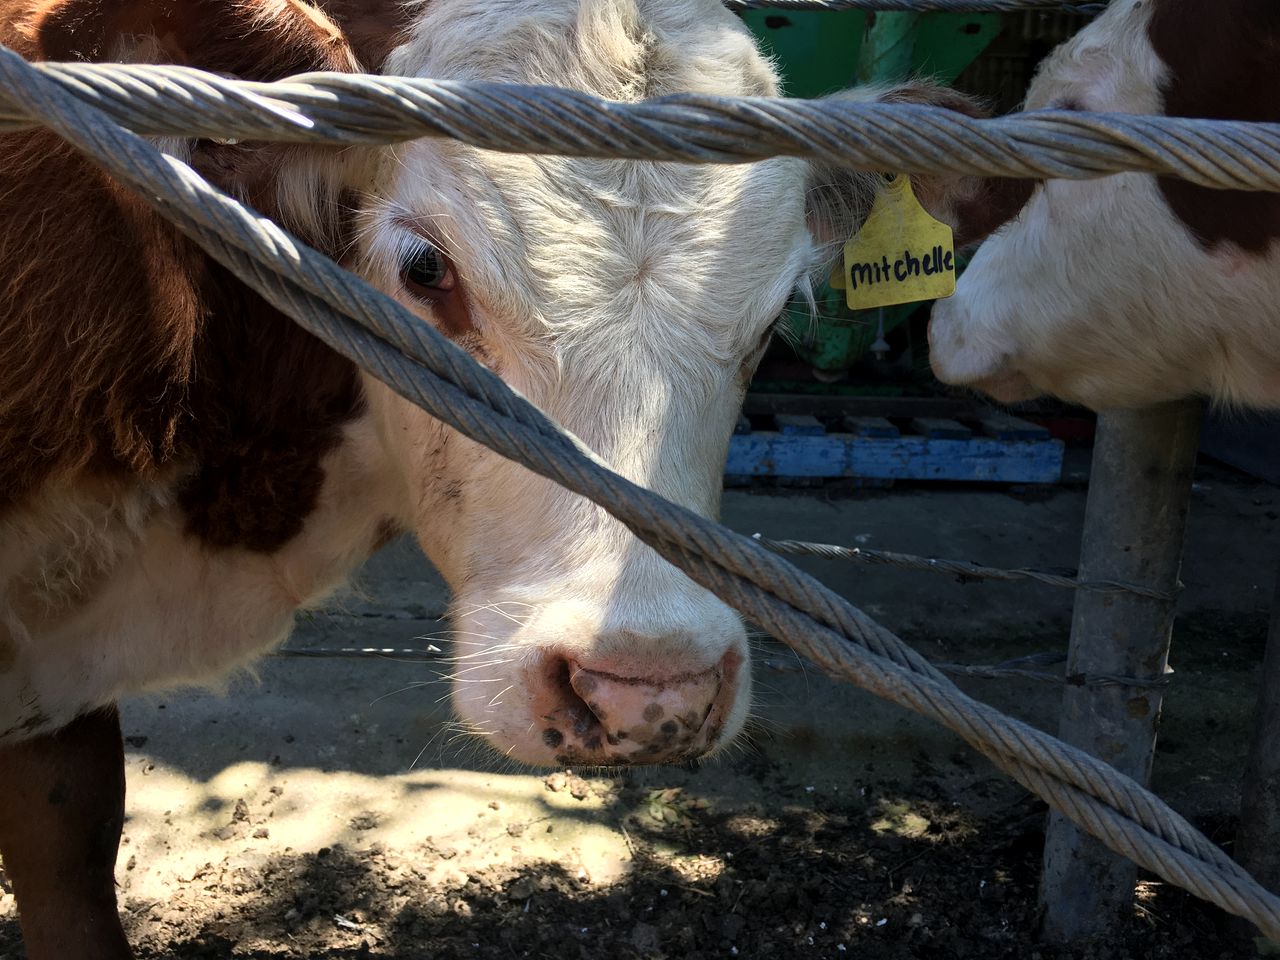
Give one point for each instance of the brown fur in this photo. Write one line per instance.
(1224, 63)
(243, 37)
(373, 27)
(996, 201)
(124, 351)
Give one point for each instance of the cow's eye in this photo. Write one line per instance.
(427, 272)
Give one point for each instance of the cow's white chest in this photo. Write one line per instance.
(105, 595)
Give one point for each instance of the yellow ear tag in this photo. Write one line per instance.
(900, 255)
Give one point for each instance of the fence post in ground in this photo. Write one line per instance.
(1139, 493)
(1258, 840)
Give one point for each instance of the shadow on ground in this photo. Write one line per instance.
(869, 877)
(280, 821)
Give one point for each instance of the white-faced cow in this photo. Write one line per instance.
(183, 468)
(1132, 289)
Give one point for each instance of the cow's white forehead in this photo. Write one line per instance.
(619, 49)
(687, 260)
(549, 243)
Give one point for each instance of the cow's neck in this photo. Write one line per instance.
(111, 594)
(207, 467)
(1221, 65)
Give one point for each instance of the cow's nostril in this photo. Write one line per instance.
(612, 713)
(612, 718)
(575, 717)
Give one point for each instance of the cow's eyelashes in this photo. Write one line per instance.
(426, 272)
(769, 331)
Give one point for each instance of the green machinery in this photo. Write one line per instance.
(819, 52)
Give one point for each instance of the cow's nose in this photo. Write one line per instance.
(601, 717)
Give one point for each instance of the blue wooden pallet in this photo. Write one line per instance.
(992, 447)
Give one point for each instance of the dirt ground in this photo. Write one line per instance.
(326, 809)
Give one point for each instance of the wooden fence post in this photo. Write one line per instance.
(1139, 493)
(1258, 840)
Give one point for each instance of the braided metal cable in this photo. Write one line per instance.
(925, 6)
(395, 346)
(345, 109)
(961, 569)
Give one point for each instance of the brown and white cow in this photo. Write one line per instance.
(182, 469)
(1132, 289)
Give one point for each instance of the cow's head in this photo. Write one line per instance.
(1130, 289)
(632, 302)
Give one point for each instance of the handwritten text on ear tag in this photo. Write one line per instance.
(900, 255)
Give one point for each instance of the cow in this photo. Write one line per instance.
(1131, 289)
(183, 468)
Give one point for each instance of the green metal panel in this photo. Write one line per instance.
(816, 50)
(934, 45)
(888, 48)
(946, 43)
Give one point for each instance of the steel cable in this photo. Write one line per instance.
(396, 347)
(344, 109)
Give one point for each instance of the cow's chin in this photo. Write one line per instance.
(1007, 386)
(555, 702)
(1003, 384)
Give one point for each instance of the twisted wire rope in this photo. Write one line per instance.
(926, 6)
(344, 109)
(424, 367)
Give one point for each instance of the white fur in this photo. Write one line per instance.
(628, 300)
(622, 298)
(1097, 293)
(134, 604)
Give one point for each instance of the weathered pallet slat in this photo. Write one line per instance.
(771, 404)
(874, 449)
(870, 427)
(1003, 426)
(799, 425)
(940, 428)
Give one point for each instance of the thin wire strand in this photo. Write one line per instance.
(963, 570)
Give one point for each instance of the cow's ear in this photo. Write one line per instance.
(943, 196)
(839, 199)
(260, 40)
(252, 39)
(373, 27)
